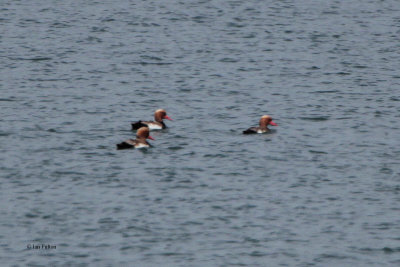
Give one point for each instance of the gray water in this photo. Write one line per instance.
(322, 189)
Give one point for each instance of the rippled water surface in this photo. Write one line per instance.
(322, 189)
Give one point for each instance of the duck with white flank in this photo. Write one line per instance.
(263, 128)
(141, 135)
(157, 124)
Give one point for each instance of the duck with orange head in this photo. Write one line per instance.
(157, 124)
(141, 135)
(263, 128)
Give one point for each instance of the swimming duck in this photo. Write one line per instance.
(141, 135)
(157, 124)
(263, 128)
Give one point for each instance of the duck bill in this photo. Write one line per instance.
(273, 123)
(167, 117)
(150, 137)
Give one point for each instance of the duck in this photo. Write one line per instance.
(263, 128)
(157, 124)
(141, 135)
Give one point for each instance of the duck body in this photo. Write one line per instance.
(133, 143)
(152, 125)
(256, 130)
(142, 134)
(157, 124)
(263, 128)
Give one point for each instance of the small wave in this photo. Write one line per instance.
(32, 59)
(317, 152)
(320, 118)
(143, 63)
(326, 92)
(228, 60)
(11, 99)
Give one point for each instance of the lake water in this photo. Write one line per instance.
(322, 189)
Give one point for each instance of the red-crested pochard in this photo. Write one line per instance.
(157, 124)
(141, 135)
(263, 128)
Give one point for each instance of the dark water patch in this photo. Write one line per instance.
(68, 173)
(342, 73)
(235, 25)
(250, 36)
(31, 215)
(11, 99)
(151, 58)
(257, 253)
(228, 60)
(98, 29)
(60, 25)
(391, 250)
(360, 66)
(246, 207)
(317, 152)
(4, 134)
(79, 255)
(326, 92)
(230, 174)
(248, 69)
(32, 59)
(389, 188)
(319, 118)
(199, 19)
(218, 155)
(386, 171)
(90, 229)
(386, 250)
(185, 181)
(47, 80)
(326, 256)
(175, 148)
(143, 63)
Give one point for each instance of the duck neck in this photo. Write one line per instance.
(158, 117)
(141, 139)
